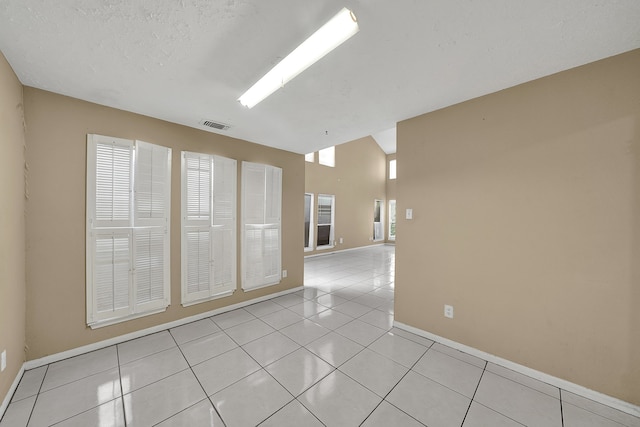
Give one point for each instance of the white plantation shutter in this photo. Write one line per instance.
(198, 263)
(253, 193)
(112, 273)
(151, 267)
(223, 232)
(152, 184)
(128, 201)
(198, 188)
(224, 259)
(271, 254)
(261, 225)
(273, 195)
(208, 227)
(112, 158)
(252, 243)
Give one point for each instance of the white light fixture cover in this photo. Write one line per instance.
(331, 35)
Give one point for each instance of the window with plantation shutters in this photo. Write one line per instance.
(208, 227)
(326, 215)
(261, 225)
(128, 199)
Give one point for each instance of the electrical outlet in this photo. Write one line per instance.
(284, 273)
(448, 311)
(3, 361)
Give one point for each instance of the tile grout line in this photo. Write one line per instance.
(37, 395)
(384, 399)
(389, 392)
(306, 349)
(206, 396)
(601, 415)
(124, 409)
(294, 398)
(93, 407)
(484, 368)
(360, 351)
(561, 408)
(263, 368)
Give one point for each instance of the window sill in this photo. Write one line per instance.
(108, 322)
(325, 247)
(211, 298)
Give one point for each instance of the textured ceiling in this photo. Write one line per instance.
(188, 60)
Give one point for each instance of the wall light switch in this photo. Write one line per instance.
(284, 274)
(341, 240)
(409, 214)
(3, 361)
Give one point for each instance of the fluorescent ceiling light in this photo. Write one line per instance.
(331, 35)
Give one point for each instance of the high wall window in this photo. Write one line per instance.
(308, 222)
(310, 157)
(327, 156)
(392, 169)
(326, 215)
(392, 220)
(208, 209)
(127, 230)
(261, 225)
(378, 227)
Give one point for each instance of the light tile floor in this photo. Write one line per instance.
(326, 355)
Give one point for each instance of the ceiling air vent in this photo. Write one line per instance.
(214, 125)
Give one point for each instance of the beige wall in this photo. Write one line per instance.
(57, 129)
(12, 226)
(526, 209)
(357, 180)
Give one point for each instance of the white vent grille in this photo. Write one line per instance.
(214, 125)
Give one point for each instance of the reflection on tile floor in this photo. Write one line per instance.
(326, 355)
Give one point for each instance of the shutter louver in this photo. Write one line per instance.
(149, 265)
(252, 265)
(112, 267)
(224, 190)
(273, 199)
(253, 179)
(271, 254)
(198, 265)
(151, 182)
(198, 187)
(113, 183)
(224, 225)
(223, 265)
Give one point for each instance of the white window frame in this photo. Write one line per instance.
(392, 169)
(261, 225)
(395, 221)
(141, 229)
(311, 222)
(214, 221)
(310, 157)
(327, 156)
(332, 224)
(378, 225)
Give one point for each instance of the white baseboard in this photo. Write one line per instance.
(12, 389)
(36, 363)
(613, 402)
(331, 252)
